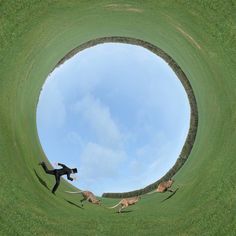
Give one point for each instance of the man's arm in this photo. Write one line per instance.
(68, 177)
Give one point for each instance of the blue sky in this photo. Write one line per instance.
(118, 113)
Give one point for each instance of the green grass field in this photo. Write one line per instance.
(199, 35)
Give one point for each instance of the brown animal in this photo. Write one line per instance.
(88, 196)
(164, 186)
(126, 202)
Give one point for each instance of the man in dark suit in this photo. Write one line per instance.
(58, 173)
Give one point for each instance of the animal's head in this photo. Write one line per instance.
(170, 181)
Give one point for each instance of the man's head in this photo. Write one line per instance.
(74, 170)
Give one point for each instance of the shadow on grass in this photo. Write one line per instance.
(41, 181)
(170, 195)
(123, 212)
(74, 204)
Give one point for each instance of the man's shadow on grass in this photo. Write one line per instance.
(74, 204)
(41, 181)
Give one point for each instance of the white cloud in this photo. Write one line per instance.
(99, 118)
(74, 138)
(98, 162)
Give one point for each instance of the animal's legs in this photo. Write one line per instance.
(82, 201)
(121, 208)
(89, 199)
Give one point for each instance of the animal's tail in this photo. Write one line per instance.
(74, 192)
(114, 206)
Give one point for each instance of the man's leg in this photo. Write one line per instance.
(50, 172)
(57, 183)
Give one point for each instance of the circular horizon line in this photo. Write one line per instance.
(188, 145)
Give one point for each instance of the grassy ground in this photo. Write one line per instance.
(199, 35)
